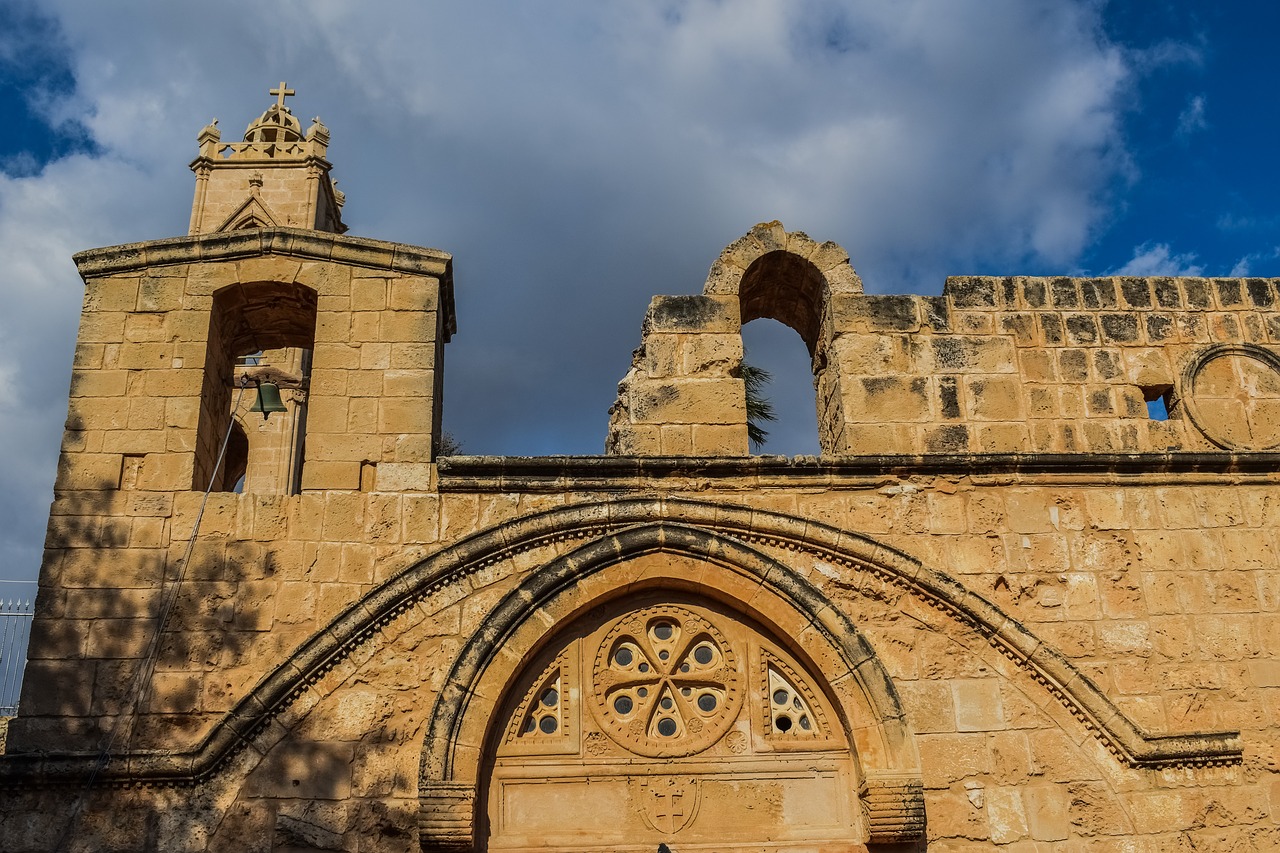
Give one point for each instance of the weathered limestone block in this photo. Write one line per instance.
(713, 401)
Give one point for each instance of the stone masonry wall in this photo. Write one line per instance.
(142, 433)
(993, 365)
(1161, 593)
(1060, 365)
(684, 394)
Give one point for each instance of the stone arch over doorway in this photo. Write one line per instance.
(735, 578)
(609, 528)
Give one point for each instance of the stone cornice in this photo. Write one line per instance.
(612, 473)
(301, 243)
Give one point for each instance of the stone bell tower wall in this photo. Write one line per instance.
(276, 177)
(152, 392)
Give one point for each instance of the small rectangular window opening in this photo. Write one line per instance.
(1157, 397)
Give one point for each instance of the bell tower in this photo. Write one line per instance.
(179, 341)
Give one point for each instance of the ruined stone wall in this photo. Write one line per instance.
(993, 365)
(684, 394)
(1060, 365)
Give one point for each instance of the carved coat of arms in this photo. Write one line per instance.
(668, 803)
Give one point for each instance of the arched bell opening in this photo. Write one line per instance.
(260, 334)
(565, 625)
(788, 277)
(785, 287)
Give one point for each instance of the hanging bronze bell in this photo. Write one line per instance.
(268, 400)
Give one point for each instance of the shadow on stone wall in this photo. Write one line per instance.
(109, 579)
(113, 717)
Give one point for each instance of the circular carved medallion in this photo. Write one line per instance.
(666, 682)
(1233, 396)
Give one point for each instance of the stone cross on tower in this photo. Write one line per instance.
(282, 92)
(276, 178)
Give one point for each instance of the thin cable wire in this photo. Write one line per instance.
(142, 679)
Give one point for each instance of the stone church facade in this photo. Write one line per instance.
(1006, 608)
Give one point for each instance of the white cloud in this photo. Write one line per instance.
(1159, 259)
(1192, 118)
(578, 158)
(1165, 54)
(1244, 266)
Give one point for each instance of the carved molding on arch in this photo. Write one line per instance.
(465, 711)
(446, 815)
(361, 622)
(894, 807)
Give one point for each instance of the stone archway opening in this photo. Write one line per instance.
(258, 332)
(783, 286)
(821, 647)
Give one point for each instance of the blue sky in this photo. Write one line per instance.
(1201, 131)
(578, 158)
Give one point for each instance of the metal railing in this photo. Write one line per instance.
(15, 632)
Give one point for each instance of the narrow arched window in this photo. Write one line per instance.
(783, 287)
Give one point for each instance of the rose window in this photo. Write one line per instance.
(667, 683)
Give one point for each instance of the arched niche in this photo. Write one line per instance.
(785, 287)
(784, 276)
(608, 597)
